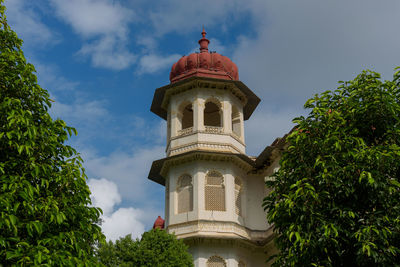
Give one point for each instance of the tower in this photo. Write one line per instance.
(213, 191)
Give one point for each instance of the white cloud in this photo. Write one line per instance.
(104, 25)
(26, 23)
(80, 111)
(304, 47)
(184, 16)
(154, 63)
(128, 170)
(90, 18)
(104, 194)
(119, 223)
(109, 52)
(122, 222)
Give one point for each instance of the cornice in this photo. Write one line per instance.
(159, 168)
(163, 94)
(203, 145)
(224, 231)
(199, 83)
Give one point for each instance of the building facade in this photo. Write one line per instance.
(213, 190)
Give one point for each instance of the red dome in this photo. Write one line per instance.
(204, 64)
(159, 223)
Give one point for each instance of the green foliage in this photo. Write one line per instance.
(336, 197)
(157, 248)
(44, 213)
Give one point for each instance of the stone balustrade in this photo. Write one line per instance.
(185, 131)
(213, 129)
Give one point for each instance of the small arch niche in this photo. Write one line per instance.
(236, 121)
(187, 116)
(212, 114)
(185, 193)
(216, 261)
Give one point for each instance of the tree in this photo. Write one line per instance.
(44, 198)
(156, 248)
(336, 199)
(121, 253)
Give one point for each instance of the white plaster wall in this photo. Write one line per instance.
(256, 216)
(230, 252)
(253, 215)
(173, 175)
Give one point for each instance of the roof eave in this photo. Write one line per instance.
(252, 99)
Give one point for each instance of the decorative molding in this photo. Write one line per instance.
(213, 129)
(188, 132)
(221, 230)
(207, 84)
(209, 146)
(205, 156)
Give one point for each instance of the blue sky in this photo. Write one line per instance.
(101, 61)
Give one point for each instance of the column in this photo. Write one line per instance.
(242, 126)
(175, 122)
(200, 178)
(227, 116)
(230, 195)
(198, 114)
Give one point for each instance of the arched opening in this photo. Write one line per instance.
(238, 196)
(216, 261)
(214, 191)
(185, 193)
(212, 115)
(187, 117)
(236, 121)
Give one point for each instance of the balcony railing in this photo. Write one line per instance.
(185, 131)
(213, 129)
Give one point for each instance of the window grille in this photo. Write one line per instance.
(215, 191)
(236, 121)
(185, 194)
(238, 196)
(216, 261)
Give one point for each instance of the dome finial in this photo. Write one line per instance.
(203, 33)
(204, 42)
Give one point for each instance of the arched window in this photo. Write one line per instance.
(212, 114)
(241, 264)
(238, 196)
(236, 121)
(187, 116)
(216, 261)
(215, 191)
(185, 193)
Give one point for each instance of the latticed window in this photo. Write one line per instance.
(238, 196)
(241, 264)
(185, 193)
(216, 261)
(215, 191)
(236, 121)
